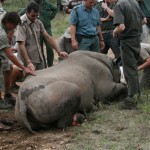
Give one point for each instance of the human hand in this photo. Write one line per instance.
(108, 18)
(74, 45)
(102, 44)
(115, 34)
(63, 55)
(104, 5)
(31, 67)
(28, 71)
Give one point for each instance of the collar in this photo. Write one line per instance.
(84, 8)
(24, 18)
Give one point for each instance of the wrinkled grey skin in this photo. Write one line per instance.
(57, 93)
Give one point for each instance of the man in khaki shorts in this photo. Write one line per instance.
(9, 22)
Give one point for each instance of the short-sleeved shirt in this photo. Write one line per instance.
(86, 21)
(106, 25)
(128, 12)
(30, 33)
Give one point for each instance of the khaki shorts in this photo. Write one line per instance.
(5, 63)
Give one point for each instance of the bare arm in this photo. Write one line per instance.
(102, 44)
(110, 11)
(54, 45)
(146, 64)
(25, 55)
(14, 59)
(24, 52)
(73, 37)
(120, 28)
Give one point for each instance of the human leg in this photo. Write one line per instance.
(130, 49)
(16, 74)
(114, 45)
(42, 49)
(84, 44)
(49, 50)
(50, 54)
(95, 45)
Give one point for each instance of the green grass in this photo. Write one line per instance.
(60, 24)
(115, 129)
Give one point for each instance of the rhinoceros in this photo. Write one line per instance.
(55, 94)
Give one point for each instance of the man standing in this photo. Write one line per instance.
(107, 28)
(128, 21)
(28, 37)
(85, 27)
(9, 22)
(47, 13)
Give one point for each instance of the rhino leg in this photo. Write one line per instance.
(118, 89)
(68, 107)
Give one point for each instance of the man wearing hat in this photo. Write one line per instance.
(65, 42)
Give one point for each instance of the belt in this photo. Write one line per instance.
(88, 36)
(107, 31)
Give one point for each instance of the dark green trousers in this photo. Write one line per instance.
(49, 50)
(130, 50)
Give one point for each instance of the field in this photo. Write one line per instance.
(106, 128)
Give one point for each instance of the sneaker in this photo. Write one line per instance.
(9, 99)
(4, 106)
(129, 103)
(14, 89)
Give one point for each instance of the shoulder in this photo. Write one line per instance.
(3, 38)
(23, 20)
(77, 7)
(3, 34)
(95, 10)
(38, 21)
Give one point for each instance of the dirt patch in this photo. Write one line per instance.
(21, 139)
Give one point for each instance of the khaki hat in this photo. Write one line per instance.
(67, 33)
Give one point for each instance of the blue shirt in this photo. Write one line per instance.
(86, 21)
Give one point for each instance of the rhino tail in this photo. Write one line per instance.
(23, 113)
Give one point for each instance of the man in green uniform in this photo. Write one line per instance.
(128, 21)
(47, 13)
